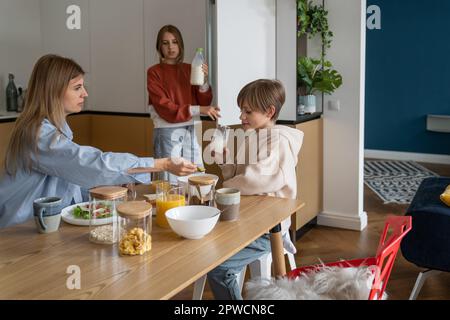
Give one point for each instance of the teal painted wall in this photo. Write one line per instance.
(408, 76)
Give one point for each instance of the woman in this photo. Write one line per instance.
(174, 101)
(42, 160)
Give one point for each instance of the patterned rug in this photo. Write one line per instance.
(395, 181)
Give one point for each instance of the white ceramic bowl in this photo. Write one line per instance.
(192, 222)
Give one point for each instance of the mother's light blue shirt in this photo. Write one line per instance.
(60, 168)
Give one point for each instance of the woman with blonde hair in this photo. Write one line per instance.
(174, 102)
(42, 160)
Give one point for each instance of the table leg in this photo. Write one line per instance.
(276, 242)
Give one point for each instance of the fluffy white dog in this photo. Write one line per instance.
(324, 283)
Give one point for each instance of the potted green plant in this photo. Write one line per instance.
(312, 20)
(316, 75)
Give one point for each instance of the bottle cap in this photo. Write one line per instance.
(199, 50)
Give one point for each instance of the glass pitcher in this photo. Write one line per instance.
(201, 189)
(159, 178)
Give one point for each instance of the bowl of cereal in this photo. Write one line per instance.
(192, 222)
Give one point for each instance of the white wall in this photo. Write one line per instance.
(344, 129)
(20, 42)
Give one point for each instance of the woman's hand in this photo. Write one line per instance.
(180, 166)
(211, 111)
(176, 166)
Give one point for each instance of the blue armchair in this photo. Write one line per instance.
(428, 243)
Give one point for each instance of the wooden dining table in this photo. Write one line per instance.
(43, 266)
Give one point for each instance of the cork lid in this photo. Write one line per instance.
(134, 209)
(108, 192)
(202, 180)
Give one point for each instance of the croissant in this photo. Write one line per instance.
(445, 196)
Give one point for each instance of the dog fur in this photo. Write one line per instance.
(324, 283)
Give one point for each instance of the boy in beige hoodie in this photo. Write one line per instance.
(264, 165)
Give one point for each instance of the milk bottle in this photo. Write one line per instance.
(197, 75)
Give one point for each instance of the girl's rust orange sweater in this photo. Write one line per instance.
(171, 93)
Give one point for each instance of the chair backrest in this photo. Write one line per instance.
(387, 251)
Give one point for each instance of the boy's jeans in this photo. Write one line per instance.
(222, 279)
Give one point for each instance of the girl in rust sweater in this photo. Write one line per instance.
(174, 102)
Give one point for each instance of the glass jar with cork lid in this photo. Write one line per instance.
(134, 228)
(201, 189)
(103, 202)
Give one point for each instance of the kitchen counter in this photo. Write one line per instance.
(12, 116)
(301, 118)
(6, 116)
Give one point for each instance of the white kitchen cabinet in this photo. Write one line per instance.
(118, 75)
(20, 42)
(242, 38)
(57, 38)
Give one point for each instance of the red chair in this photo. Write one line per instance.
(383, 261)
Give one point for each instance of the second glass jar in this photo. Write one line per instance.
(134, 227)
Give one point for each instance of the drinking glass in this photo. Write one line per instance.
(219, 142)
(167, 199)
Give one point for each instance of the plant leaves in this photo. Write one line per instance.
(317, 76)
(312, 20)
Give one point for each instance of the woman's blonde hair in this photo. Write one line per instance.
(261, 94)
(44, 100)
(177, 34)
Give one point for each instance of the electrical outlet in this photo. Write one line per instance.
(334, 105)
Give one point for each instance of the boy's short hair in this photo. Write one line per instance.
(261, 94)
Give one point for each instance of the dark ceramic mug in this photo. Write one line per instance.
(47, 214)
(228, 202)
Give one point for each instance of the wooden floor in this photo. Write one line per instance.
(330, 244)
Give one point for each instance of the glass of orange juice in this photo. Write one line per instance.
(163, 185)
(165, 200)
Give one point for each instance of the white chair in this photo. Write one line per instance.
(261, 267)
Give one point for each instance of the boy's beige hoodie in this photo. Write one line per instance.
(273, 172)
